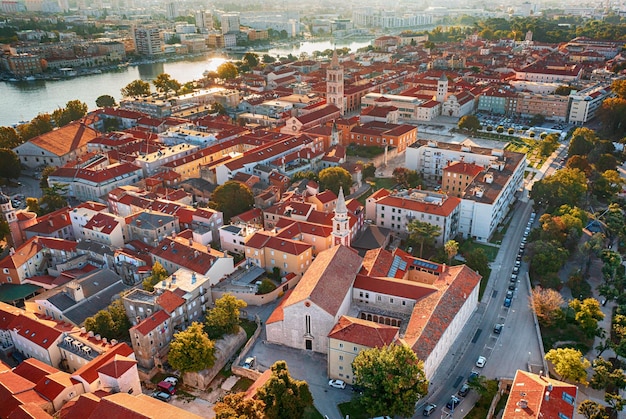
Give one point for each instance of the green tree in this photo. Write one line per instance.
(268, 59)
(236, 406)
(569, 363)
(232, 198)
(546, 303)
(469, 122)
(105, 101)
(227, 71)
(251, 59)
(334, 178)
(547, 257)
(223, 319)
(592, 410)
(565, 186)
(10, 166)
(5, 230)
(284, 397)
(423, 233)
(619, 87)
(548, 145)
(191, 350)
(120, 320)
(452, 249)
(157, 275)
(76, 109)
(582, 142)
(101, 324)
(588, 313)
(537, 120)
(266, 286)
(606, 376)
(616, 403)
(392, 378)
(45, 174)
(136, 88)
(165, 83)
(53, 198)
(477, 260)
(32, 204)
(9, 138)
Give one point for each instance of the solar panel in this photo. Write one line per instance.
(425, 264)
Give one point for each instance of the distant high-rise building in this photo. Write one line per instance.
(204, 20)
(147, 40)
(230, 22)
(171, 10)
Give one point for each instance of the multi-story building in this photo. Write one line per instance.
(489, 197)
(269, 252)
(553, 107)
(585, 103)
(22, 65)
(148, 40)
(230, 22)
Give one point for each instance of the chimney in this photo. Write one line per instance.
(190, 241)
(193, 277)
(173, 278)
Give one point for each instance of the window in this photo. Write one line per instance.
(341, 357)
(341, 345)
(568, 398)
(355, 348)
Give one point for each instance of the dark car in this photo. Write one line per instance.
(163, 396)
(454, 402)
(357, 389)
(507, 302)
(498, 328)
(465, 388)
(512, 286)
(473, 375)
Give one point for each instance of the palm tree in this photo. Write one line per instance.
(422, 233)
(452, 249)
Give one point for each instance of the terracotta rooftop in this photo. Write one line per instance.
(63, 140)
(363, 332)
(328, 279)
(445, 209)
(117, 366)
(150, 323)
(89, 372)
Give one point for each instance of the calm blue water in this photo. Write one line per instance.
(22, 101)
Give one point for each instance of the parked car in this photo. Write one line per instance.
(481, 361)
(249, 362)
(516, 270)
(473, 375)
(429, 409)
(454, 402)
(163, 396)
(337, 384)
(512, 286)
(507, 302)
(498, 328)
(172, 380)
(167, 387)
(465, 388)
(513, 277)
(357, 389)
(509, 294)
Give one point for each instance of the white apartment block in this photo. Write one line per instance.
(585, 103)
(488, 199)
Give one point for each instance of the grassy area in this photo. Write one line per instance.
(364, 151)
(566, 334)
(480, 409)
(490, 251)
(249, 326)
(354, 409)
(242, 384)
(312, 413)
(383, 183)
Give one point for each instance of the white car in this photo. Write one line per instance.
(249, 362)
(481, 361)
(337, 384)
(172, 380)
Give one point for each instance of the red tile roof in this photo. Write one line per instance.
(260, 240)
(50, 223)
(8, 313)
(117, 366)
(196, 258)
(63, 140)
(445, 209)
(169, 301)
(150, 323)
(89, 372)
(34, 370)
(35, 331)
(363, 332)
(463, 168)
(102, 223)
(534, 396)
(396, 287)
(82, 407)
(52, 385)
(328, 279)
(29, 411)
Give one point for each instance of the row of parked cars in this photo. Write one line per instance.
(166, 389)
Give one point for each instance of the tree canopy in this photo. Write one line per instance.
(236, 406)
(73, 111)
(469, 122)
(546, 303)
(392, 379)
(105, 101)
(423, 233)
(232, 198)
(565, 186)
(588, 314)
(569, 363)
(334, 178)
(191, 350)
(10, 166)
(165, 83)
(9, 138)
(227, 71)
(284, 397)
(136, 88)
(157, 275)
(224, 317)
(111, 322)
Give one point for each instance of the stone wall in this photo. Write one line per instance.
(224, 349)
